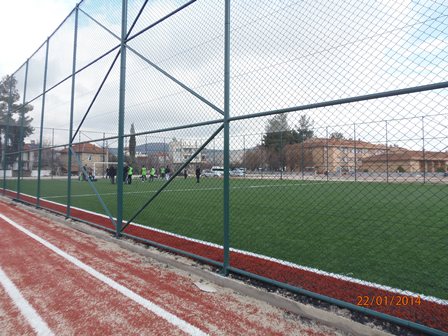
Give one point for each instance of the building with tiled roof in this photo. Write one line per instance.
(407, 161)
(86, 153)
(330, 155)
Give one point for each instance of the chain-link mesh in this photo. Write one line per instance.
(338, 152)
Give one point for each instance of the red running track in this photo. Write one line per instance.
(78, 284)
(429, 313)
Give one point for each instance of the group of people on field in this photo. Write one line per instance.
(128, 172)
(164, 172)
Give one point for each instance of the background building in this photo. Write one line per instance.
(182, 150)
(406, 161)
(330, 155)
(87, 153)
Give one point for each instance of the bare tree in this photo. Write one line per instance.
(255, 158)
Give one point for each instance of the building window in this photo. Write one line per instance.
(90, 158)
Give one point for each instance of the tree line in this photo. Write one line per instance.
(282, 146)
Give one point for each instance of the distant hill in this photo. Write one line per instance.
(160, 147)
(153, 147)
(149, 148)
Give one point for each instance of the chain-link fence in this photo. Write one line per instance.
(300, 143)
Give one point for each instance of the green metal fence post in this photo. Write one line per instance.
(39, 165)
(225, 269)
(355, 148)
(22, 125)
(72, 109)
(281, 155)
(387, 154)
(425, 164)
(124, 23)
(5, 147)
(327, 154)
(302, 159)
(53, 171)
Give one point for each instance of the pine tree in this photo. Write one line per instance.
(278, 133)
(132, 143)
(304, 129)
(11, 112)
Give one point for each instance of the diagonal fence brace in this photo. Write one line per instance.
(163, 72)
(178, 171)
(84, 172)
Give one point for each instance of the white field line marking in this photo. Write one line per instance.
(181, 324)
(188, 190)
(30, 314)
(282, 262)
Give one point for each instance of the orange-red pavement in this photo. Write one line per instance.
(70, 300)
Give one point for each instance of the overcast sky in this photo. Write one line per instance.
(25, 25)
(284, 53)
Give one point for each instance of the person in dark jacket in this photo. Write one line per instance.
(112, 173)
(125, 173)
(167, 173)
(198, 174)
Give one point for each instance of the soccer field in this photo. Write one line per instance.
(392, 234)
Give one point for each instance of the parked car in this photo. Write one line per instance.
(219, 172)
(237, 172)
(210, 173)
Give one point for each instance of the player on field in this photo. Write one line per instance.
(152, 173)
(143, 177)
(130, 172)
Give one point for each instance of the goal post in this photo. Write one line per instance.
(99, 168)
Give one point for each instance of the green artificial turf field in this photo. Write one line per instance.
(393, 234)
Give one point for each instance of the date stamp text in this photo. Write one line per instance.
(387, 300)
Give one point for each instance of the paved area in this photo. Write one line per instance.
(57, 280)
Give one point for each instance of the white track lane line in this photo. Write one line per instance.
(174, 320)
(30, 314)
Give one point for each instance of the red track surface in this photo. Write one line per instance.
(72, 301)
(427, 313)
